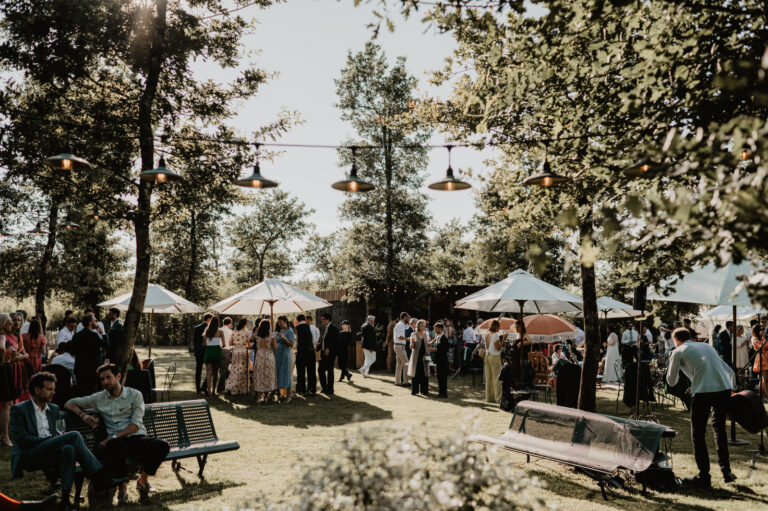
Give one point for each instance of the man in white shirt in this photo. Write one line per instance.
(66, 333)
(401, 366)
(315, 331)
(468, 336)
(711, 384)
(64, 357)
(630, 336)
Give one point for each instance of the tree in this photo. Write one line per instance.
(384, 248)
(548, 89)
(262, 237)
(140, 53)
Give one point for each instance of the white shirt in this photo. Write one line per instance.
(64, 360)
(669, 343)
(315, 335)
(702, 365)
(24, 328)
(41, 417)
(629, 336)
(227, 335)
(80, 327)
(469, 335)
(213, 341)
(64, 335)
(491, 346)
(557, 357)
(398, 332)
(579, 335)
(649, 335)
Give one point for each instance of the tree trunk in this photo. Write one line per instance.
(43, 274)
(588, 387)
(142, 218)
(389, 230)
(188, 288)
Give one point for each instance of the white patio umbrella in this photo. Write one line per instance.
(521, 292)
(722, 312)
(614, 309)
(158, 300)
(273, 296)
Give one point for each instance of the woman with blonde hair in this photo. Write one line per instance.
(494, 341)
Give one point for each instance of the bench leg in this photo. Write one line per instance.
(527, 458)
(201, 460)
(601, 484)
(175, 465)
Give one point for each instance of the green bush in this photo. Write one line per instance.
(394, 470)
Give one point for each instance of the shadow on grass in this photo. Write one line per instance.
(302, 412)
(166, 500)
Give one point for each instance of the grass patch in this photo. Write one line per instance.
(275, 439)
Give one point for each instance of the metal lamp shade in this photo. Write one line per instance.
(161, 174)
(67, 161)
(70, 225)
(642, 168)
(38, 230)
(256, 180)
(450, 183)
(545, 178)
(353, 184)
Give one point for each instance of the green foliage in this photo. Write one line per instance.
(386, 245)
(269, 239)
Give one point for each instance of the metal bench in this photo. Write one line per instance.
(598, 445)
(186, 425)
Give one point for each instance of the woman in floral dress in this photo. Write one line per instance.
(264, 368)
(237, 382)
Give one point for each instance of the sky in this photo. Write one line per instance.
(306, 43)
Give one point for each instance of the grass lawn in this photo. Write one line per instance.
(274, 439)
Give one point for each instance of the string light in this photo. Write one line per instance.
(546, 177)
(256, 180)
(160, 174)
(353, 183)
(642, 168)
(67, 161)
(450, 183)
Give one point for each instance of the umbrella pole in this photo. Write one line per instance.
(733, 440)
(522, 328)
(151, 325)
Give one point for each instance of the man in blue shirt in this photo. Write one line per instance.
(711, 384)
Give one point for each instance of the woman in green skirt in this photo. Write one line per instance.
(212, 358)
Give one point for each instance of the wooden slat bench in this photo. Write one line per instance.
(598, 445)
(186, 425)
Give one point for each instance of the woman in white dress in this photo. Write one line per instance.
(742, 349)
(610, 374)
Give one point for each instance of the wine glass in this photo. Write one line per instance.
(61, 426)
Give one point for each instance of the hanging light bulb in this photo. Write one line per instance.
(745, 155)
(3, 232)
(160, 174)
(450, 183)
(38, 230)
(256, 180)
(643, 168)
(95, 215)
(67, 161)
(353, 183)
(69, 225)
(546, 177)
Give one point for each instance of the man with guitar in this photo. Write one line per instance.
(711, 384)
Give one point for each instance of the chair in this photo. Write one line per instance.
(170, 373)
(540, 365)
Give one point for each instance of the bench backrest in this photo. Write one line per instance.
(585, 438)
(180, 423)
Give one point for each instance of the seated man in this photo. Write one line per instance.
(122, 409)
(37, 445)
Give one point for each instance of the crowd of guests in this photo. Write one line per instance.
(34, 387)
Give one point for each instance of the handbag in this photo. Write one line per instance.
(481, 352)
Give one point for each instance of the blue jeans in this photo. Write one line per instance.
(62, 451)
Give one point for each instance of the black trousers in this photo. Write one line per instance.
(325, 372)
(199, 371)
(226, 359)
(442, 378)
(151, 452)
(342, 356)
(420, 382)
(306, 377)
(701, 406)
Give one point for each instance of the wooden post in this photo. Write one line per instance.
(151, 325)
